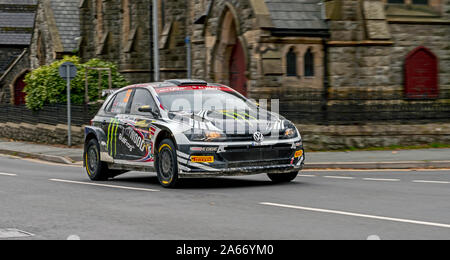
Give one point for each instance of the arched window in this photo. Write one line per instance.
(309, 64)
(291, 63)
(421, 74)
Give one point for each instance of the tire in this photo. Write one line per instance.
(283, 177)
(96, 169)
(167, 164)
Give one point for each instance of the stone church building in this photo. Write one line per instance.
(38, 33)
(268, 48)
(262, 48)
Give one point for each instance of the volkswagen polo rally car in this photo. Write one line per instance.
(189, 129)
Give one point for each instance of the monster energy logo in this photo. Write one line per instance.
(112, 137)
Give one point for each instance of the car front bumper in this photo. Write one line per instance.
(240, 160)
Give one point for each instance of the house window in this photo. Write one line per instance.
(420, 2)
(421, 74)
(396, 1)
(291, 60)
(309, 64)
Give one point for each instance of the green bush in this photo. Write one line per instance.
(44, 86)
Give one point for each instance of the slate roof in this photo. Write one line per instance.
(297, 14)
(17, 21)
(67, 19)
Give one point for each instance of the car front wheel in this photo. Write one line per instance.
(283, 177)
(167, 164)
(95, 168)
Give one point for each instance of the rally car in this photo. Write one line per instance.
(189, 129)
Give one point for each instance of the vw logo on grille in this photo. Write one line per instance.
(258, 137)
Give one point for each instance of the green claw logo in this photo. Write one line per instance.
(112, 137)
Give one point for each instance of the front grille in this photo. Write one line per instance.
(259, 163)
(240, 138)
(242, 154)
(248, 137)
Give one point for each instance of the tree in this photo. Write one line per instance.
(44, 86)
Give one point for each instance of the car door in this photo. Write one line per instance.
(140, 130)
(117, 111)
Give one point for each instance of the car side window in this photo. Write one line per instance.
(142, 97)
(119, 103)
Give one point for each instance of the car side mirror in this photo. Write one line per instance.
(148, 109)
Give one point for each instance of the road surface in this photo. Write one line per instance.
(50, 201)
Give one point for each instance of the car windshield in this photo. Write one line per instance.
(203, 98)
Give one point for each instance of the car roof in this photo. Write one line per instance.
(175, 83)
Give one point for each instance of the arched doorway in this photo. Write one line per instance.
(230, 59)
(421, 74)
(19, 86)
(238, 68)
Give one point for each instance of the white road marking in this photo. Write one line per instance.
(73, 237)
(76, 165)
(104, 185)
(7, 174)
(336, 212)
(432, 182)
(309, 176)
(375, 179)
(377, 170)
(374, 237)
(339, 177)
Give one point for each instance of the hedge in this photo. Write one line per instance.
(44, 86)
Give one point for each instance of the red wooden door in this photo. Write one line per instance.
(421, 74)
(19, 95)
(238, 68)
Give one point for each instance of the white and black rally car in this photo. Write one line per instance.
(189, 129)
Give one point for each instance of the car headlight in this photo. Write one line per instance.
(290, 131)
(203, 135)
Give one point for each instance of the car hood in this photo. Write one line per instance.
(231, 122)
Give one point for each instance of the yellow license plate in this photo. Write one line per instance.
(202, 159)
(299, 154)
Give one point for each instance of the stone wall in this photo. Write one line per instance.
(360, 66)
(173, 52)
(134, 35)
(121, 32)
(7, 56)
(362, 55)
(42, 49)
(315, 137)
(407, 37)
(41, 133)
(333, 137)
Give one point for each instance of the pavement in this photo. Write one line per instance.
(43, 152)
(402, 159)
(42, 200)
